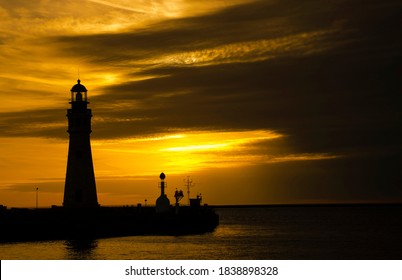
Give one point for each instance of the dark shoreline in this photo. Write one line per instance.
(24, 224)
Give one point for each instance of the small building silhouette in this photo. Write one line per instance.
(80, 187)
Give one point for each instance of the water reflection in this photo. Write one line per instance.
(80, 249)
(330, 232)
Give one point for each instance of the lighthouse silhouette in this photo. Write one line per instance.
(80, 187)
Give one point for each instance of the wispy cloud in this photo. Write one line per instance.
(298, 44)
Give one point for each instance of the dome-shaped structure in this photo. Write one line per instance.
(79, 93)
(79, 87)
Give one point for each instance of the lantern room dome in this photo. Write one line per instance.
(78, 87)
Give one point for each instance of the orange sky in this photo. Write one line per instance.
(251, 99)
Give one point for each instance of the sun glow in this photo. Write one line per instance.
(197, 147)
(177, 153)
(220, 141)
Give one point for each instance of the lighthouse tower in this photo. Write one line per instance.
(80, 187)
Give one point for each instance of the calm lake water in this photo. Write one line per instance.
(330, 232)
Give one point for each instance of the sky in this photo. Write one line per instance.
(257, 102)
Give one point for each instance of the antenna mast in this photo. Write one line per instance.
(188, 183)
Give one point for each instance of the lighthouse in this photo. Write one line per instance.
(80, 187)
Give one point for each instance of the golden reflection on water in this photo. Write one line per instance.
(43, 250)
(80, 249)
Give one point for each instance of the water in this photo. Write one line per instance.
(347, 232)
